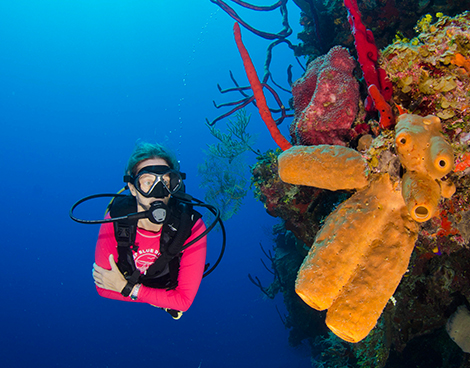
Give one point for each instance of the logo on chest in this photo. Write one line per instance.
(144, 258)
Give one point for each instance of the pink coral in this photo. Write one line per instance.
(326, 100)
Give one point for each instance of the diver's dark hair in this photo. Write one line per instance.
(144, 151)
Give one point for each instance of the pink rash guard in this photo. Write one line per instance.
(190, 273)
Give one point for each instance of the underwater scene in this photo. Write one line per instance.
(326, 144)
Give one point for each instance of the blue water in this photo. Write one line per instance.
(80, 82)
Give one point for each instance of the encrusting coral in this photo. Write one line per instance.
(429, 73)
(325, 100)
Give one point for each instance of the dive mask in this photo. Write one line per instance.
(156, 181)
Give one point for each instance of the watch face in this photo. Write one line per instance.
(135, 293)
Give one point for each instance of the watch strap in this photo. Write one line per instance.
(131, 282)
(127, 289)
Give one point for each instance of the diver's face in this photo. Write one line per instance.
(143, 203)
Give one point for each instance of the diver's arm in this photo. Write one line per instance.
(112, 279)
(189, 277)
(106, 246)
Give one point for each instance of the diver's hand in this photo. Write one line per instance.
(109, 279)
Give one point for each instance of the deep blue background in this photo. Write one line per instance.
(80, 82)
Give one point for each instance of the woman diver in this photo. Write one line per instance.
(148, 260)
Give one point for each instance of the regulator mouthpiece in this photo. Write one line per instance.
(158, 212)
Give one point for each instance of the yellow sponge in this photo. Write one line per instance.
(356, 310)
(421, 146)
(421, 194)
(367, 237)
(323, 166)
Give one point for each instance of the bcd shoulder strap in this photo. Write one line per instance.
(125, 232)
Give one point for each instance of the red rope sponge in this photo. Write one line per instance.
(257, 88)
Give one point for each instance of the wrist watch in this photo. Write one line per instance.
(135, 292)
(127, 289)
(131, 282)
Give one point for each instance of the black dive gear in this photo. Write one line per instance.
(163, 273)
(127, 234)
(159, 211)
(156, 181)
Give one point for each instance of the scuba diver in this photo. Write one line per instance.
(151, 246)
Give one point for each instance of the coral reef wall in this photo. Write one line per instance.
(431, 76)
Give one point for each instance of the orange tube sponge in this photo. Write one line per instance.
(345, 247)
(440, 158)
(421, 146)
(421, 194)
(447, 188)
(356, 310)
(323, 166)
